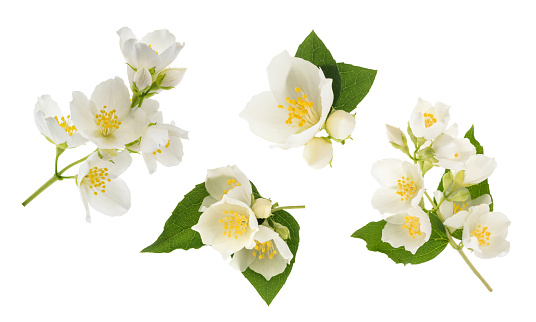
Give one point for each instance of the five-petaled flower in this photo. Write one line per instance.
(100, 186)
(429, 120)
(162, 143)
(297, 106)
(410, 229)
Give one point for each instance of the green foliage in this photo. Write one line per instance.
(313, 50)
(372, 235)
(178, 233)
(355, 85)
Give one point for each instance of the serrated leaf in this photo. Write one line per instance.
(269, 289)
(178, 233)
(313, 50)
(355, 84)
(372, 235)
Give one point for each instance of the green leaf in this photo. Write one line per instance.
(372, 235)
(471, 136)
(313, 50)
(178, 233)
(355, 85)
(269, 289)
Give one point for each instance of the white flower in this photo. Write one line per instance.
(410, 229)
(318, 152)
(107, 119)
(262, 208)
(54, 126)
(157, 50)
(229, 181)
(455, 213)
(485, 232)
(228, 226)
(395, 135)
(269, 257)
(477, 169)
(402, 186)
(429, 121)
(296, 107)
(340, 124)
(100, 186)
(162, 143)
(452, 153)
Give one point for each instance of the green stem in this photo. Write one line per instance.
(59, 151)
(287, 207)
(455, 246)
(57, 176)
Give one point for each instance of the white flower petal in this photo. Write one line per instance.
(114, 94)
(114, 202)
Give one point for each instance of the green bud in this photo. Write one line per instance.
(283, 231)
(427, 153)
(425, 166)
(447, 180)
(461, 195)
(458, 180)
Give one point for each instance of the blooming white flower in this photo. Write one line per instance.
(429, 120)
(297, 106)
(395, 135)
(162, 143)
(269, 257)
(485, 232)
(227, 180)
(57, 128)
(452, 153)
(107, 119)
(402, 186)
(318, 152)
(340, 124)
(410, 229)
(100, 186)
(477, 169)
(262, 208)
(455, 213)
(228, 226)
(156, 50)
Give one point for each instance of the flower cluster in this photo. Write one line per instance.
(400, 199)
(297, 107)
(117, 123)
(233, 221)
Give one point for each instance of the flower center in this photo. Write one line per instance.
(300, 110)
(107, 121)
(482, 234)
(153, 49)
(429, 120)
(66, 124)
(456, 208)
(264, 248)
(231, 183)
(413, 225)
(406, 188)
(234, 224)
(159, 146)
(96, 178)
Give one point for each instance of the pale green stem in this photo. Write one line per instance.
(287, 207)
(57, 176)
(455, 246)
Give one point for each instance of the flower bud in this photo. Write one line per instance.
(283, 231)
(396, 136)
(340, 124)
(173, 76)
(318, 152)
(143, 79)
(262, 208)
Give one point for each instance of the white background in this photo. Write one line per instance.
(479, 57)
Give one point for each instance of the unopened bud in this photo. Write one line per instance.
(318, 152)
(283, 231)
(340, 124)
(142, 79)
(262, 208)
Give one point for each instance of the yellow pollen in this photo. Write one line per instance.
(153, 49)
(160, 150)
(456, 155)
(300, 109)
(264, 249)
(96, 178)
(429, 120)
(406, 188)
(457, 208)
(107, 121)
(235, 225)
(413, 225)
(231, 183)
(66, 124)
(482, 234)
